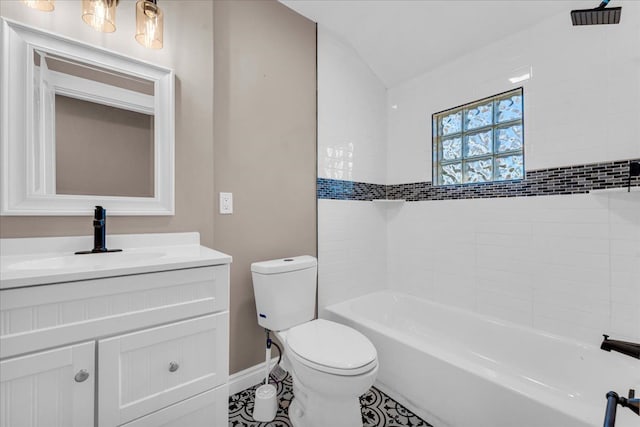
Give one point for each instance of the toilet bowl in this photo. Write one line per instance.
(331, 364)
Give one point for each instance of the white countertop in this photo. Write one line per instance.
(47, 260)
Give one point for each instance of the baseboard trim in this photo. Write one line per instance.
(248, 377)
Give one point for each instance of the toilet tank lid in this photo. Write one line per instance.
(284, 265)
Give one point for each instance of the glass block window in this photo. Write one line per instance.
(482, 141)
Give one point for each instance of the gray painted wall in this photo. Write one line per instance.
(265, 152)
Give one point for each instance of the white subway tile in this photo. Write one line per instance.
(505, 307)
(625, 247)
(625, 263)
(569, 229)
(574, 330)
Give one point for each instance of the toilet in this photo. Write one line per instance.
(331, 364)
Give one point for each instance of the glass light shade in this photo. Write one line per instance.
(149, 24)
(100, 14)
(43, 5)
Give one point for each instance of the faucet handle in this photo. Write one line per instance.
(632, 402)
(606, 337)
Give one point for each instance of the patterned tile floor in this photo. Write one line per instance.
(378, 409)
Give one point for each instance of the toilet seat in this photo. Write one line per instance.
(331, 347)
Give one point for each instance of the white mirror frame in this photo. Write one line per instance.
(27, 167)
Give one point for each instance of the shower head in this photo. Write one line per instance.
(599, 15)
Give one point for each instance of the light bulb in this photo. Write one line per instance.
(43, 5)
(100, 14)
(149, 24)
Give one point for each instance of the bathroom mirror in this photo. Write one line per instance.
(82, 126)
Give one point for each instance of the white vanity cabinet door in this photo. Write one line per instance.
(209, 409)
(47, 389)
(145, 371)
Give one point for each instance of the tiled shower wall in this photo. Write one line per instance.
(352, 236)
(568, 264)
(565, 264)
(352, 250)
(352, 115)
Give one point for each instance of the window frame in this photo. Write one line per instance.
(437, 139)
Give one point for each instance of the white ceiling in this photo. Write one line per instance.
(401, 39)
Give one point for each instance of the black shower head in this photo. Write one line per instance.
(599, 15)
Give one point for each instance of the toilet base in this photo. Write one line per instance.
(315, 410)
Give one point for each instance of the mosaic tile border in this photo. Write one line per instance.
(576, 179)
(336, 189)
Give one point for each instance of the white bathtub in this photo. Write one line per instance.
(457, 368)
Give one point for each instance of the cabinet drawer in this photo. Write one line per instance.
(41, 317)
(48, 389)
(209, 409)
(148, 370)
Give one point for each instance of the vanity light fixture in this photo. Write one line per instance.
(43, 5)
(100, 14)
(149, 24)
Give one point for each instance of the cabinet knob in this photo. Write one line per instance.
(81, 376)
(173, 366)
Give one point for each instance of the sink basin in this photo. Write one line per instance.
(33, 261)
(90, 261)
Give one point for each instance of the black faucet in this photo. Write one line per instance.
(629, 348)
(99, 233)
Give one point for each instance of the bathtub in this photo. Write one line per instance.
(456, 368)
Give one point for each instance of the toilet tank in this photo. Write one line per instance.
(285, 291)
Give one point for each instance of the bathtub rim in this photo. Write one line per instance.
(582, 410)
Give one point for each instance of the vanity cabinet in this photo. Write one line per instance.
(52, 388)
(147, 349)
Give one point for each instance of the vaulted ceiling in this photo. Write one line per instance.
(401, 39)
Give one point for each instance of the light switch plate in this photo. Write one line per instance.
(226, 203)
